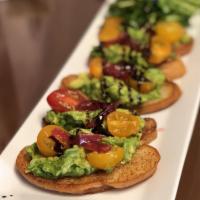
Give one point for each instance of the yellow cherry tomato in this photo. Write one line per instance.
(170, 30)
(96, 67)
(122, 124)
(160, 50)
(111, 29)
(143, 87)
(44, 143)
(106, 160)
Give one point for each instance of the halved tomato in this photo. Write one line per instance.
(160, 50)
(170, 31)
(111, 31)
(122, 124)
(64, 99)
(106, 160)
(49, 136)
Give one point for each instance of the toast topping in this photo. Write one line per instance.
(122, 124)
(52, 140)
(81, 150)
(109, 89)
(106, 161)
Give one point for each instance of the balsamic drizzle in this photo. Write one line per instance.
(58, 148)
(139, 100)
(120, 86)
(139, 78)
(103, 88)
(98, 121)
(130, 96)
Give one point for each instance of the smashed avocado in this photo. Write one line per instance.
(72, 163)
(118, 53)
(70, 119)
(138, 35)
(155, 76)
(129, 145)
(109, 89)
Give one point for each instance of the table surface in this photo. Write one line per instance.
(36, 38)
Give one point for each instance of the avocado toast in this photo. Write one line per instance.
(84, 151)
(109, 89)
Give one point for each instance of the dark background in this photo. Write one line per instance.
(36, 38)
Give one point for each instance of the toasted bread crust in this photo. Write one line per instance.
(170, 93)
(149, 131)
(141, 167)
(173, 69)
(184, 49)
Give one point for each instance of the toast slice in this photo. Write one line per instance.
(149, 132)
(184, 49)
(173, 69)
(142, 166)
(170, 93)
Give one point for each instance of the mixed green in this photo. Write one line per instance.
(141, 34)
(138, 13)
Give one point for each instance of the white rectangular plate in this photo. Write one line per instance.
(176, 126)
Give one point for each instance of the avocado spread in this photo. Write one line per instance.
(109, 89)
(71, 119)
(71, 163)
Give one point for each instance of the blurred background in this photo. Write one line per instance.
(36, 38)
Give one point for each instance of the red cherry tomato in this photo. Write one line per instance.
(64, 99)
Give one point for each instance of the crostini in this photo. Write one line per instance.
(83, 161)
